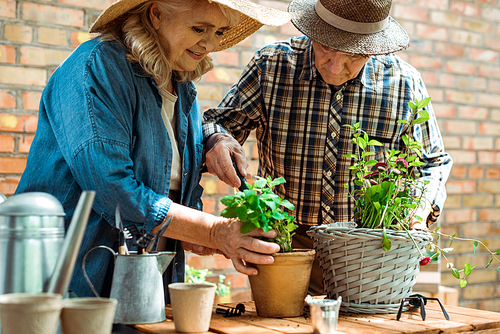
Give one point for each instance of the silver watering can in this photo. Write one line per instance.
(137, 285)
(34, 254)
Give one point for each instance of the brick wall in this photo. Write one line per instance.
(455, 45)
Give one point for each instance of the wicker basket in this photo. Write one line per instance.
(369, 279)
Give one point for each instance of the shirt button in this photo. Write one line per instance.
(339, 97)
(327, 208)
(334, 135)
(329, 173)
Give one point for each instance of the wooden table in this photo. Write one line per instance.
(462, 320)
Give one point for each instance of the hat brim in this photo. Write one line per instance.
(392, 39)
(253, 17)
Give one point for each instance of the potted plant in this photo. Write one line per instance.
(383, 249)
(280, 288)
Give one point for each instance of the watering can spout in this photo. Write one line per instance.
(164, 259)
(63, 270)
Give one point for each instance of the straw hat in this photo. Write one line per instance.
(351, 26)
(253, 16)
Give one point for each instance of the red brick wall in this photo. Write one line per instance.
(455, 45)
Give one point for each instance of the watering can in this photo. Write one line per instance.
(137, 285)
(35, 256)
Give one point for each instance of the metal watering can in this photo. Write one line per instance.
(137, 285)
(34, 254)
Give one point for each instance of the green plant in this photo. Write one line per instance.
(199, 276)
(388, 193)
(259, 207)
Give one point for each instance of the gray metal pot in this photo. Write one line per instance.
(34, 254)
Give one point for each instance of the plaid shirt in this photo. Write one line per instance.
(282, 96)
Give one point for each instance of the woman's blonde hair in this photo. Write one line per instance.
(138, 35)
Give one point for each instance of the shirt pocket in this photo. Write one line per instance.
(389, 140)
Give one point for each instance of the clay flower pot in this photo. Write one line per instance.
(88, 315)
(192, 306)
(30, 313)
(280, 288)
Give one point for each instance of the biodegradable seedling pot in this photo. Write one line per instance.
(30, 313)
(88, 315)
(192, 305)
(280, 288)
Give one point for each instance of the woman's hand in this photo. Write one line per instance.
(199, 249)
(241, 248)
(220, 147)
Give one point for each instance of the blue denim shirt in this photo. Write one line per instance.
(100, 128)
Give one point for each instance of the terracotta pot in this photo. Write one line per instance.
(280, 288)
(192, 305)
(30, 313)
(88, 315)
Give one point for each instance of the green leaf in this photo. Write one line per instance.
(405, 139)
(277, 181)
(424, 114)
(229, 212)
(354, 156)
(463, 283)
(491, 260)
(253, 201)
(227, 200)
(419, 121)
(271, 204)
(277, 215)
(247, 227)
(412, 105)
(467, 269)
(447, 250)
(455, 272)
(423, 103)
(374, 142)
(241, 212)
(287, 204)
(497, 252)
(403, 121)
(361, 143)
(475, 243)
(260, 183)
(386, 242)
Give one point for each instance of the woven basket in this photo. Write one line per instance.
(369, 279)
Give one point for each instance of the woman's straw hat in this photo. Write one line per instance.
(352, 26)
(253, 16)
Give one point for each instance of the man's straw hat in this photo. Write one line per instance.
(253, 16)
(352, 26)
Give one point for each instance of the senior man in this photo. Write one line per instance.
(298, 93)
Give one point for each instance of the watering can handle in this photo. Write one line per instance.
(85, 272)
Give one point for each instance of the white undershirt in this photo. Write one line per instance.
(168, 116)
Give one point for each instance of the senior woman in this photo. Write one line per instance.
(120, 116)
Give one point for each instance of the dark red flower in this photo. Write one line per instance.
(401, 162)
(368, 176)
(372, 181)
(380, 166)
(425, 261)
(396, 171)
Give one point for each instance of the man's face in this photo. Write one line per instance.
(336, 67)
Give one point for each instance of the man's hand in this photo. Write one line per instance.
(241, 248)
(220, 147)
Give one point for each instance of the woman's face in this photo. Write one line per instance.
(189, 36)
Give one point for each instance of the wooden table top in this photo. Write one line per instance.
(462, 320)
